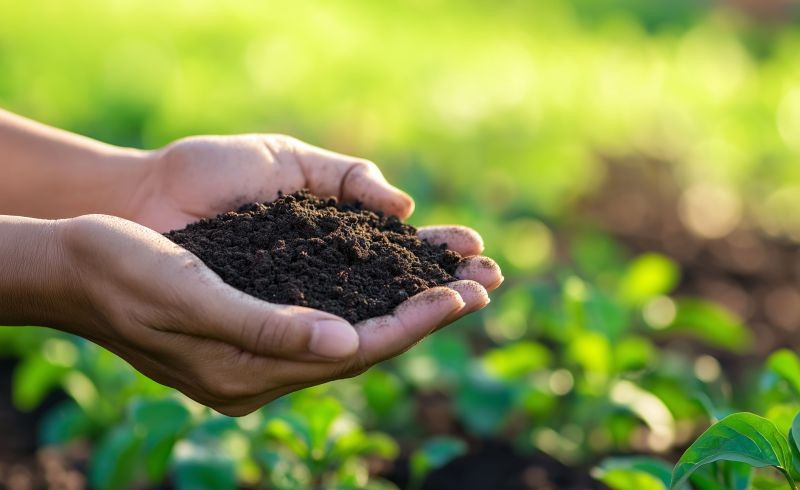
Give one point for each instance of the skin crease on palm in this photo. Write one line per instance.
(157, 306)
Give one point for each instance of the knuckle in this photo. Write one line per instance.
(281, 142)
(361, 165)
(273, 333)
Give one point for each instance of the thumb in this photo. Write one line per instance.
(273, 330)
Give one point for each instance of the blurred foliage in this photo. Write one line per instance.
(501, 116)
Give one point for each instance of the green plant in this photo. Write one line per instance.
(740, 451)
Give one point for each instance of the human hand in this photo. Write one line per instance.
(157, 306)
(202, 176)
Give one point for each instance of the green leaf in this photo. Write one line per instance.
(212, 428)
(162, 416)
(359, 443)
(597, 254)
(766, 482)
(157, 458)
(159, 419)
(318, 415)
(786, 365)
(630, 479)
(516, 360)
(707, 478)
(379, 444)
(738, 475)
(794, 438)
(647, 276)
(63, 423)
(202, 468)
(592, 352)
(435, 453)
(633, 353)
(655, 467)
(162, 422)
(34, 378)
(383, 390)
(115, 459)
(484, 403)
(711, 323)
(742, 437)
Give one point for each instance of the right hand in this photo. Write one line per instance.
(160, 308)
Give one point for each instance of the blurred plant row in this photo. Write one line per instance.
(587, 361)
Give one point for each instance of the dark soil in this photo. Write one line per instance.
(497, 466)
(334, 257)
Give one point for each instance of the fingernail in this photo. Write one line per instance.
(333, 338)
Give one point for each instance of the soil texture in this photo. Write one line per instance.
(322, 254)
(497, 466)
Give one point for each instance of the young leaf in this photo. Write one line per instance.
(62, 423)
(655, 467)
(383, 391)
(794, 438)
(161, 423)
(433, 454)
(199, 467)
(743, 437)
(630, 479)
(649, 275)
(115, 459)
(711, 323)
(516, 360)
(786, 365)
(34, 378)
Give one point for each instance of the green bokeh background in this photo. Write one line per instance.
(503, 116)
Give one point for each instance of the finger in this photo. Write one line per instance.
(461, 239)
(482, 270)
(267, 329)
(419, 315)
(474, 295)
(350, 179)
(387, 336)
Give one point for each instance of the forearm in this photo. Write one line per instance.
(49, 173)
(36, 287)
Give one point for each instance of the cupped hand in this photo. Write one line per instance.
(160, 308)
(202, 176)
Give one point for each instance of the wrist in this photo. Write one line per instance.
(124, 177)
(40, 288)
(57, 174)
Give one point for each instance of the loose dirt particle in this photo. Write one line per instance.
(334, 257)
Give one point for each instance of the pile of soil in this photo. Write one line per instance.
(322, 254)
